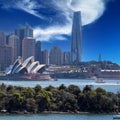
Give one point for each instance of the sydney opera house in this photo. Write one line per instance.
(27, 66)
(28, 69)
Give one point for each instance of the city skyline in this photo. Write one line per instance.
(100, 28)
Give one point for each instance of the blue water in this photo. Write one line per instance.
(109, 85)
(56, 117)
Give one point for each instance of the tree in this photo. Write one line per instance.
(31, 105)
(87, 88)
(37, 89)
(43, 100)
(14, 102)
(28, 93)
(100, 91)
(3, 96)
(9, 88)
(3, 87)
(62, 87)
(73, 89)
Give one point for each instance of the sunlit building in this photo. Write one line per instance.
(13, 42)
(22, 33)
(76, 39)
(55, 56)
(28, 47)
(28, 66)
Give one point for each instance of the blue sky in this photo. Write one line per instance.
(52, 21)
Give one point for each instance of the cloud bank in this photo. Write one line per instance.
(91, 10)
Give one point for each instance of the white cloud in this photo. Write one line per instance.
(30, 7)
(91, 10)
(53, 32)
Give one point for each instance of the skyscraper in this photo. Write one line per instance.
(5, 52)
(45, 57)
(13, 42)
(28, 47)
(2, 38)
(38, 51)
(66, 58)
(22, 33)
(100, 58)
(55, 56)
(76, 38)
(5, 57)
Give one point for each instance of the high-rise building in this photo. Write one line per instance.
(22, 33)
(38, 51)
(5, 57)
(76, 39)
(28, 47)
(100, 58)
(14, 43)
(55, 56)
(7, 39)
(45, 57)
(66, 58)
(2, 38)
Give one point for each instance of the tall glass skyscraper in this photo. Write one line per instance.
(76, 38)
(22, 33)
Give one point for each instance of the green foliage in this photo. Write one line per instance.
(64, 99)
(62, 87)
(73, 89)
(37, 88)
(43, 100)
(87, 88)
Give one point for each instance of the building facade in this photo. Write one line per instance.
(13, 42)
(2, 38)
(28, 47)
(22, 33)
(45, 57)
(66, 58)
(5, 57)
(55, 56)
(38, 53)
(76, 39)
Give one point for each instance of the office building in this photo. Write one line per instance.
(2, 38)
(45, 57)
(38, 51)
(55, 56)
(76, 39)
(13, 42)
(100, 58)
(28, 47)
(5, 57)
(22, 33)
(66, 58)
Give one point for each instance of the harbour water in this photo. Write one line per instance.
(56, 117)
(108, 85)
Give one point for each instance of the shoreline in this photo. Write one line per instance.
(52, 112)
(57, 79)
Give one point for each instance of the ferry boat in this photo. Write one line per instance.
(99, 80)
